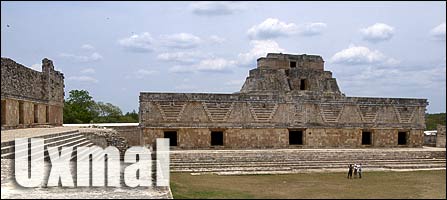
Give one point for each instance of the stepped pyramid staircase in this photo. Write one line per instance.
(277, 161)
(71, 138)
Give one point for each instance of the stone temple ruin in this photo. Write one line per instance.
(288, 101)
(31, 98)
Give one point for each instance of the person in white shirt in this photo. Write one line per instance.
(359, 169)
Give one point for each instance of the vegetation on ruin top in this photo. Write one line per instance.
(80, 108)
(432, 120)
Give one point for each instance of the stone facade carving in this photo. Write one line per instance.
(30, 98)
(284, 94)
(440, 136)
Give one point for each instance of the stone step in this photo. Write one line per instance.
(48, 136)
(316, 156)
(292, 168)
(302, 163)
(294, 160)
(78, 141)
(58, 140)
(292, 164)
(399, 166)
(8, 147)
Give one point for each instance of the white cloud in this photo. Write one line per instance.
(238, 82)
(359, 55)
(182, 69)
(138, 43)
(207, 65)
(215, 65)
(438, 32)
(78, 58)
(88, 71)
(83, 79)
(272, 28)
(187, 57)
(214, 8)
(311, 29)
(259, 48)
(377, 32)
(217, 39)
(392, 82)
(87, 47)
(141, 73)
(181, 40)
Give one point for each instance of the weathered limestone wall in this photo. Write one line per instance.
(282, 61)
(440, 136)
(234, 138)
(241, 138)
(267, 111)
(20, 81)
(31, 98)
(430, 140)
(283, 93)
(131, 133)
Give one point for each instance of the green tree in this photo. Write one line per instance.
(79, 107)
(131, 117)
(107, 112)
(432, 120)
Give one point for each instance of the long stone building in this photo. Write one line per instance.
(288, 101)
(31, 98)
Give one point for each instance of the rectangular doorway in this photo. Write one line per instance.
(172, 135)
(402, 138)
(21, 113)
(36, 113)
(216, 138)
(295, 137)
(3, 112)
(292, 64)
(47, 114)
(366, 138)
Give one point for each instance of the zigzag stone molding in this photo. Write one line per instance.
(368, 113)
(262, 112)
(404, 113)
(331, 112)
(218, 112)
(171, 111)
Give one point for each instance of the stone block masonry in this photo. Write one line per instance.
(440, 136)
(288, 101)
(30, 98)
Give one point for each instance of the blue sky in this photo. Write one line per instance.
(117, 49)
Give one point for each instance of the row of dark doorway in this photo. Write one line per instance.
(401, 138)
(295, 138)
(216, 138)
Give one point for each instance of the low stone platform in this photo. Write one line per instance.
(59, 137)
(10, 189)
(285, 161)
(10, 135)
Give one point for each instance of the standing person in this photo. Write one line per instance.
(360, 170)
(355, 170)
(350, 171)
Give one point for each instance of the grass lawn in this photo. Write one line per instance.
(417, 184)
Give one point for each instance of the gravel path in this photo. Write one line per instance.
(10, 189)
(8, 135)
